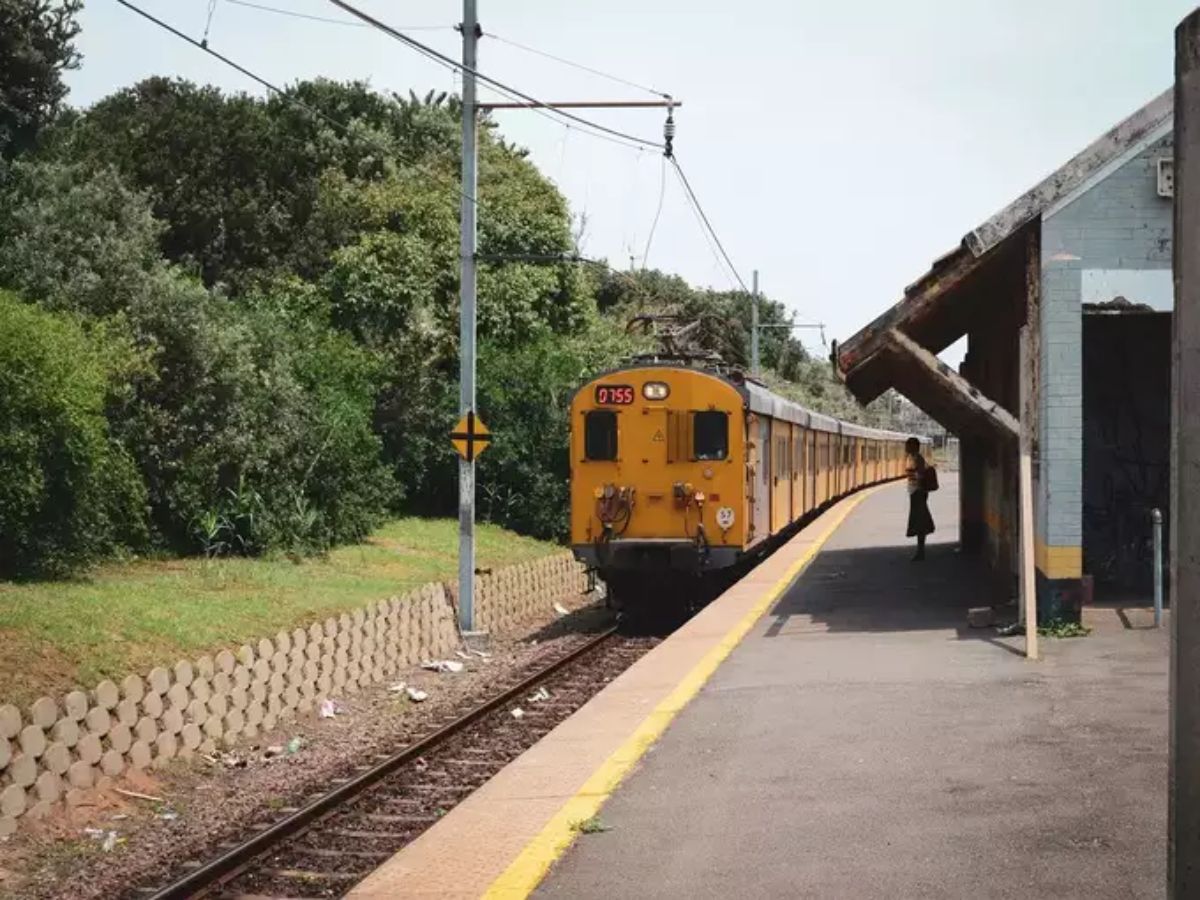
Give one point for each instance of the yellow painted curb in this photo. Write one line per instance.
(525, 872)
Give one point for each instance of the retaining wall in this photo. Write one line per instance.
(57, 749)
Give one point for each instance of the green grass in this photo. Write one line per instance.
(130, 617)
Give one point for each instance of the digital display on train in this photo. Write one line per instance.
(614, 394)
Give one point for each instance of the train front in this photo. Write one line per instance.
(657, 473)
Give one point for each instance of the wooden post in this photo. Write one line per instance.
(1183, 844)
(1025, 476)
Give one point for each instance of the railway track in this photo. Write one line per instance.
(325, 847)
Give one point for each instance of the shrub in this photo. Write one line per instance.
(252, 429)
(70, 494)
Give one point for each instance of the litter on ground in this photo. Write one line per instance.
(539, 695)
(443, 665)
(416, 695)
(518, 713)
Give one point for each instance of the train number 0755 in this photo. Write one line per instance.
(614, 395)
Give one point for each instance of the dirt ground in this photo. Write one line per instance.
(134, 830)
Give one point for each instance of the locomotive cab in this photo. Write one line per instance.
(658, 470)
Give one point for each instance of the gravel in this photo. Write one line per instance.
(207, 801)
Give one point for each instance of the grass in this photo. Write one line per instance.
(594, 825)
(130, 617)
(1063, 629)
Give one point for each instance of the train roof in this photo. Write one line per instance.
(763, 401)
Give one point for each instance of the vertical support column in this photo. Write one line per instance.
(1025, 476)
(1183, 844)
(754, 327)
(466, 322)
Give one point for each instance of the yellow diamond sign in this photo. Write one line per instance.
(470, 436)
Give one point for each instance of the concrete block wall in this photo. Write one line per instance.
(1119, 223)
(58, 749)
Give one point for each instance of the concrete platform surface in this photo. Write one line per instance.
(862, 742)
(502, 838)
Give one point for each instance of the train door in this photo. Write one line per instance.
(780, 481)
(826, 476)
(761, 431)
(811, 481)
(798, 472)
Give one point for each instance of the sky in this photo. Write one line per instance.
(837, 147)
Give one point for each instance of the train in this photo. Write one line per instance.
(684, 471)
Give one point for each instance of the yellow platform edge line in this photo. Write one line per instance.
(526, 872)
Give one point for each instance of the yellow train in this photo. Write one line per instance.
(681, 469)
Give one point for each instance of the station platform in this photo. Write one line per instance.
(838, 734)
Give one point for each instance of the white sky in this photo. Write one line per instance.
(838, 147)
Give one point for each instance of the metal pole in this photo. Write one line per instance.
(1025, 467)
(1183, 840)
(1157, 522)
(754, 327)
(466, 321)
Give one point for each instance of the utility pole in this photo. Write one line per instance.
(754, 326)
(466, 321)
(1183, 824)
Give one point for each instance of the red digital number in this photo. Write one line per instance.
(614, 395)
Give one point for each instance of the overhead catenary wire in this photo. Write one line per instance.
(662, 193)
(293, 100)
(326, 19)
(706, 223)
(616, 79)
(500, 86)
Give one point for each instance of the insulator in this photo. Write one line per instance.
(669, 128)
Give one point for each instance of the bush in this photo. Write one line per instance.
(76, 240)
(69, 494)
(252, 429)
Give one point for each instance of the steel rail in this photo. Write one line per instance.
(234, 862)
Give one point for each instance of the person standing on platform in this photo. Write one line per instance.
(920, 521)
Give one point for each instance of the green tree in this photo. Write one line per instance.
(76, 239)
(36, 47)
(69, 494)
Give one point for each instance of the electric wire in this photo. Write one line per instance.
(617, 79)
(687, 187)
(662, 192)
(500, 86)
(326, 19)
(294, 101)
(212, 8)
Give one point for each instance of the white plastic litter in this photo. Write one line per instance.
(328, 709)
(416, 695)
(518, 713)
(398, 688)
(561, 610)
(539, 695)
(443, 665)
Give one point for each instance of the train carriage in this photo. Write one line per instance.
(681, 469)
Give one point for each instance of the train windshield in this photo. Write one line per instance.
(600, 435)
(710, 435)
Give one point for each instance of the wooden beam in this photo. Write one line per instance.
(957, 390)
(1183, 835)
(919, 300)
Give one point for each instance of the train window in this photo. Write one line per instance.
(600, 435)
(710, 435)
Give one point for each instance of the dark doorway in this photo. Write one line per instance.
(1126, 445)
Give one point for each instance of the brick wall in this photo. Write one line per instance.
(1119, 223)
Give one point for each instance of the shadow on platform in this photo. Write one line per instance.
(880, 589)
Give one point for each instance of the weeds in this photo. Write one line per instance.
(594, 825)
(1062, 629)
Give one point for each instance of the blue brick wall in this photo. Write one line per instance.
(1120, 223)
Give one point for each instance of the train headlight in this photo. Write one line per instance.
(655, 390)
